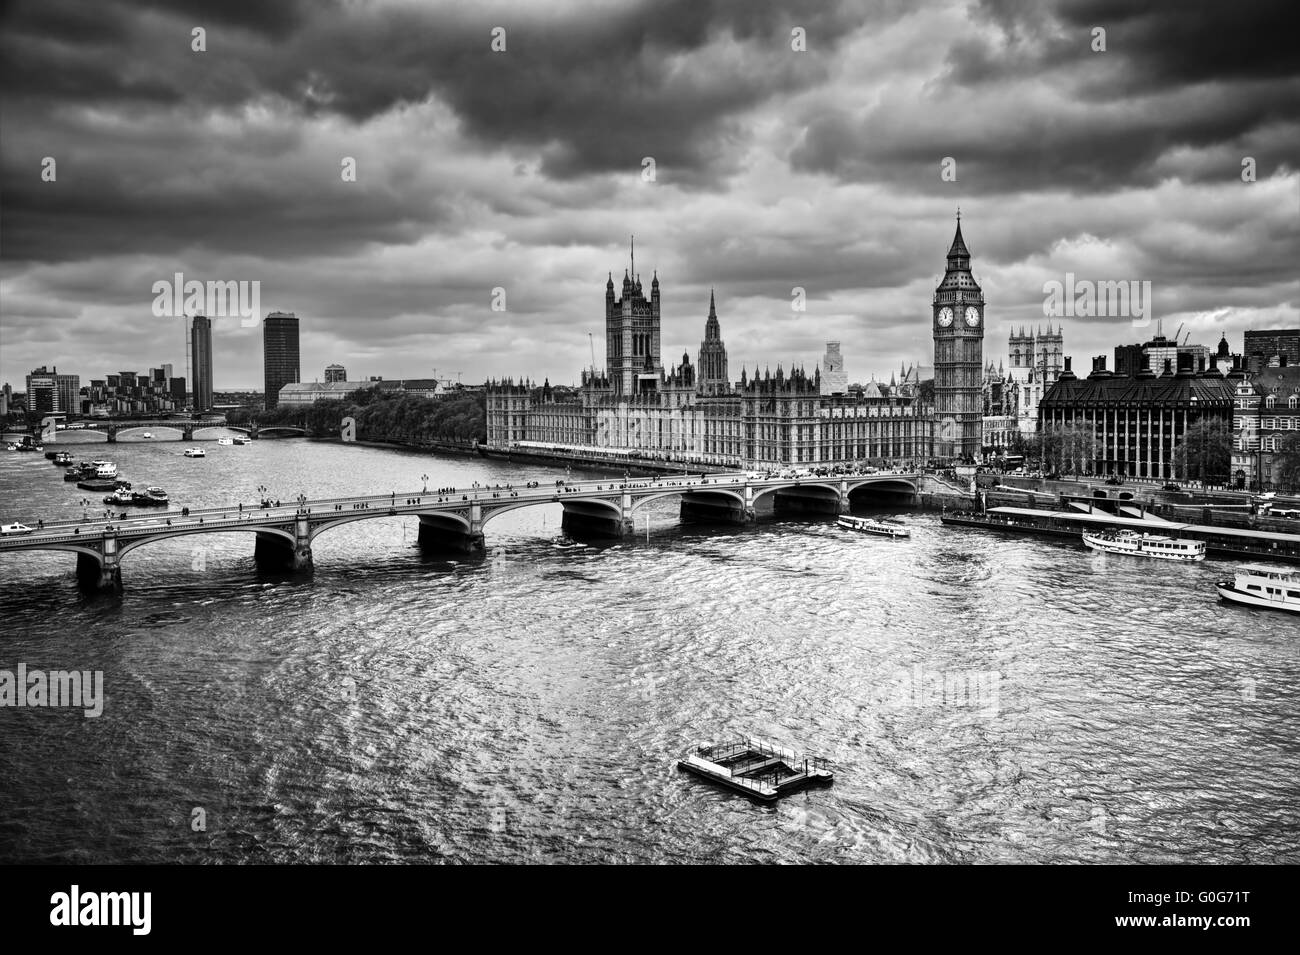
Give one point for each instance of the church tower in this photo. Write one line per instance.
(632, 333)
(958, 323)
(713, 356)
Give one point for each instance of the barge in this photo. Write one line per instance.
(756, 768)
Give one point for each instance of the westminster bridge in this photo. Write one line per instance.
(453, 520)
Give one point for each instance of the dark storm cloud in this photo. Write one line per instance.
(1026, 103)
(573, 94)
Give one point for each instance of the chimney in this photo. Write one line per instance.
(1281, 361)
(1200, 363)
(1185, 363)
(1169, 367)
(1067, 362)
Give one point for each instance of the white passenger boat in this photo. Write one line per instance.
(1258, 585)
(243, 439)
(104, 469)
(865, 526)
(1145, 545)
(226, 441)
(195, 453)
(147, 435)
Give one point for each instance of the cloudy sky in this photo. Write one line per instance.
(524, 169)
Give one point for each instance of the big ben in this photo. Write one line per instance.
(958, 358)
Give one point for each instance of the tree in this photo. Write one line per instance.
(1286, 462)
(1068, 448)
(1205, 452)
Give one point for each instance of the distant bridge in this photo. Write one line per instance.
(166, 429)
(451, 521)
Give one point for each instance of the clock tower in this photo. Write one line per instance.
(958, 358)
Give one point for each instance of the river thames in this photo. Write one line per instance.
(985, 698)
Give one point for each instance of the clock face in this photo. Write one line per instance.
(972, 316)
(945, 316)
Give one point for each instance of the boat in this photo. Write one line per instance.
(195, 453)
(62, 459)
(78, 472)
(104, 469)
(97, 484)
(755, 767)
(242, 439)
(119, 496)
(1145, 545)
(150, 497)
(226, 441)
(51, 455)
(867, 526)
(1258, 585)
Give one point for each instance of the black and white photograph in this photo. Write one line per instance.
(668, 432)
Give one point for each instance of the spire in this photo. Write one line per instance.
(713, 311)
(634, 255)
(958, 248)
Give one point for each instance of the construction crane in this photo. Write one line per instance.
(1179, 332)
(592, 342)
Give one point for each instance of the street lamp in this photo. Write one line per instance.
(425, 479)
(261, 493)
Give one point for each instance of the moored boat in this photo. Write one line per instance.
(104, 469)
(866, 526)
(1258, 585)
(1132, 543)
(150, 497)
(120, 495)
(62, 459)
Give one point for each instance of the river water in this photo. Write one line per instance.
(985, 698)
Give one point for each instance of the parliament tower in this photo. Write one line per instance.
(958, 358)
(632, 334)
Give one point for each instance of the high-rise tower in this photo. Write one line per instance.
(958, 319)
(713, 356)
(280, 365)
(632, 334)
(201, 356)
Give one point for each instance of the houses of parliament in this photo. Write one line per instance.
(695, 414)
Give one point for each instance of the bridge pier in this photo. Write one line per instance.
(716, 509)
(583, 518)
(792, 501)
(275, 552)
(447, 536)
(102, 572)
(187, 433)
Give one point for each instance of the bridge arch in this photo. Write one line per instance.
(177, 430)
(449, 521)
(126, 545)
(493, 508)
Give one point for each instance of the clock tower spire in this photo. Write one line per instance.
(958, 324)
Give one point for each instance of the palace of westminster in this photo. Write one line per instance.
(961, 409)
